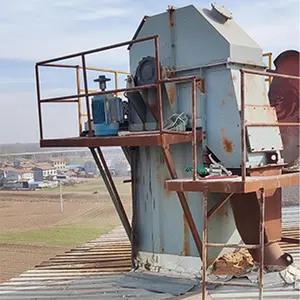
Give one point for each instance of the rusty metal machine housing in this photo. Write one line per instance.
(210, 45)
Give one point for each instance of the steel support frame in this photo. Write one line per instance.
(260, 246)
(183, 201)
(111, 188)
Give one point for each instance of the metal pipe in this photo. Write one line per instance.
(231, 283)
(290, 240)
(85, 80)
(270, 74)
(60, 66)
(217, 245)
(137, 88)
(97, 50)
(183, 202)
(194, 129)
(204, 245)
(158, 86)
(261, 240)
(243, 128)
(101, 92)
(272, 124)
(38, 92)
(117, 199)
(217, 206)
(118, 205)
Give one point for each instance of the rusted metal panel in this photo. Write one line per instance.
(260, 138)
(284, 96)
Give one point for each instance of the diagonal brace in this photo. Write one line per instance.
(112, 190)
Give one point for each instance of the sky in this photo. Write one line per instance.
(34, 30)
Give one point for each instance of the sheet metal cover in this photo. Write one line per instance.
(158, 283)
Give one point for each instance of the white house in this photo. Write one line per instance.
(42, 172)
(57, 163)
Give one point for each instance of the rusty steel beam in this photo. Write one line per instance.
(227, 283)
(217, 206)
(38, 92)
(243, 128)
(272, 124)
(218, 245)
(290, 240)
(270, 74)
(158, 86)
(97, 50)
(78, 99)
(114, 188)
(86, 88)
(183, 202)
(87, 94)
(115, 91)
(261, 201)
(194, 129)
(204, 244)
(112, 191)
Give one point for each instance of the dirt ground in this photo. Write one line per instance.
(25, 211)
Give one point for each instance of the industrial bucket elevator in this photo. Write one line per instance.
(196, 100)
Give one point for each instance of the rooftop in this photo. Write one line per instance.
(96, 269)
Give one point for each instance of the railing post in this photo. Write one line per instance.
(158, 87)
(194, 129)
(86, 89)
(79, 100)
(243, 127)
(38, 92)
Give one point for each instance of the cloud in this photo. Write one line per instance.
(35, 30)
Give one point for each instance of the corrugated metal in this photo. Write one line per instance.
(94, 271)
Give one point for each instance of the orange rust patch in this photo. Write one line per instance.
(227, 144)
(223, 103)
(230, 94)
(172, 94)
(234, 78)
(186, 245)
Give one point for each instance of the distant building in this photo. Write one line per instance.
(16, 178)
(90, 167)
(43, 172)
(57, 163)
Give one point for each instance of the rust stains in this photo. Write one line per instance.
(227, 144)
(230, 94)
(223, 103)
(186, 244)
(201, 85)
(234, 78)
(172, 94)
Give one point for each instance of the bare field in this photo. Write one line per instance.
(33, 229)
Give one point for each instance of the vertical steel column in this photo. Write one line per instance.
(183, 202)
(243, 127)
(38, 92)
(261, 240)
(86, 91)
(194, 129)
(116, 201)
(79, 100)
(204, 245)
(158, 87)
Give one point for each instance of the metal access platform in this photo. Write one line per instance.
(244, 183)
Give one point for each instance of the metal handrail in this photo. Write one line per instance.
(244, 124)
